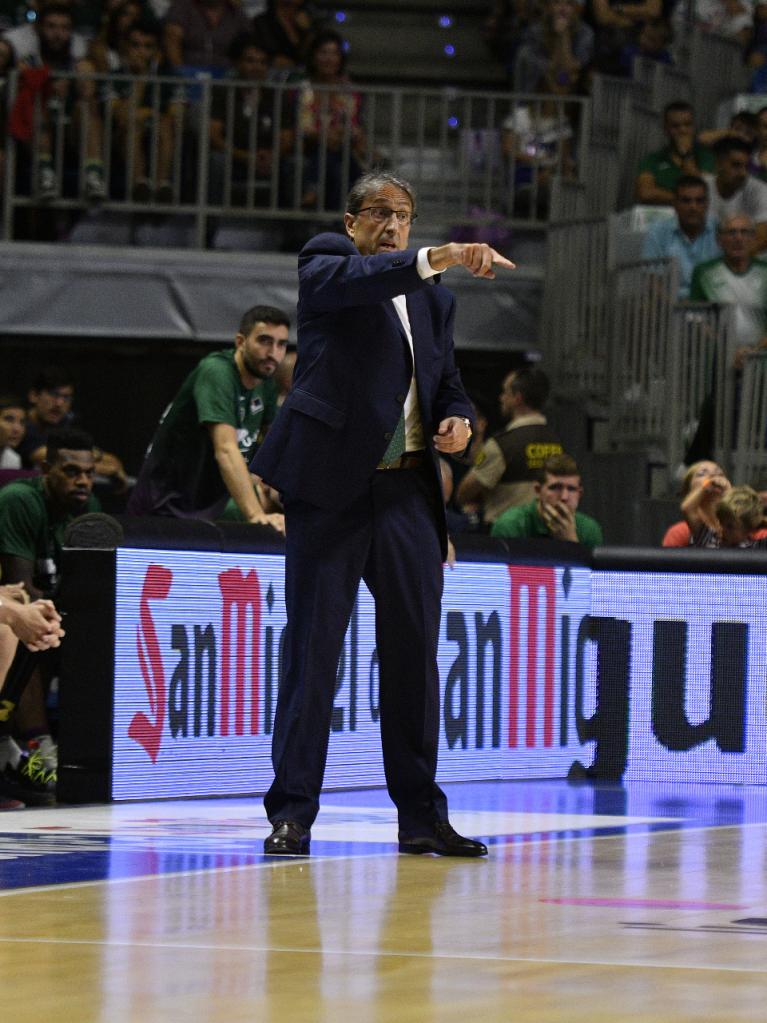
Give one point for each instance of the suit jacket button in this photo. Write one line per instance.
(401, 399)
(388, 436)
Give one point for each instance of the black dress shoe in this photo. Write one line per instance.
(443, 840)
(288, 838)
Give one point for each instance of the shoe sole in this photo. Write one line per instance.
(284, 852)
(419, 850)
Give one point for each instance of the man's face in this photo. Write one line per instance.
(55, 33)
(507, 398)
(372, 235)
(680, 129)
(558, 490)
(732, 171)
(140, 51)
(69, 479)
(691, 205)
(12, 426)
(263, 349)
(253, 64)
(52, 406)
(736, 236)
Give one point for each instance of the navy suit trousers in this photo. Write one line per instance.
(389, 537)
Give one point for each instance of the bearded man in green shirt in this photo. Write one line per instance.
(197, 463)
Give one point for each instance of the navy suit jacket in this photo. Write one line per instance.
(353, 371)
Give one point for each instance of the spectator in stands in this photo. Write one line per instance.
(34, 515)
(660, 171)
(106, 50)
(732, 190)
(330, 121)
(649, 42)
(614, 23)
(199, 35)
(556, 49)
(506, 27)
(199, 456)
(242, 126)
(690, 237)
(537, 141)
(50, 400)
(740, 522)
(13, 418)
(507, 468)
(50, 44)
(758, 164)
(703, 486)
(743, 124)
(553, 513)
(50, 397)
(285, 29)
(143, 113)
(736, 278)
(731, 19)
(37, 625)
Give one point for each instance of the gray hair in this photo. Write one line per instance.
(372, 182)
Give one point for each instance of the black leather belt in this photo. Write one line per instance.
(410, 460)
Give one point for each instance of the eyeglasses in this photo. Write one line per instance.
(382, 215)
(734, 231)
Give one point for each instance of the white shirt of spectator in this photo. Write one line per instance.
(748, 293)
(539, 136)
(751, 200)
(25, 43)
(714, 16)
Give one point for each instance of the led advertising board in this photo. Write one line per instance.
(198, 661)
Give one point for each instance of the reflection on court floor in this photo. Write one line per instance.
(639, 903)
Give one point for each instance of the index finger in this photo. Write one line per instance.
(500, 260)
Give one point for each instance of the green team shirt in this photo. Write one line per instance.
(713, 281)
(666, 173)
(180, 475)
(29, 529)
(525, 522)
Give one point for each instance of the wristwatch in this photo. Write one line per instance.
(467, 423)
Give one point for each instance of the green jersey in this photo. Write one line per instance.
(30, 529)
(180, 475)
(524, 521)
(666, 172)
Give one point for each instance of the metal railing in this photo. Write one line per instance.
(698, 344)
(748, 461)
(641, 132)
(641, 296)
(574, 314)
(293, 152)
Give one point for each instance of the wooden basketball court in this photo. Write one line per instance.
(643, 903)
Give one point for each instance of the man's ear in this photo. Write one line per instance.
(537, 487)
(349, 219)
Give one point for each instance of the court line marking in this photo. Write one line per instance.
(272, 863)
(378, 954)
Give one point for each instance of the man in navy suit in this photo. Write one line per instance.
(376, 396)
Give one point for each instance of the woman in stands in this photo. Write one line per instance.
(330, 120)
(703, 486)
